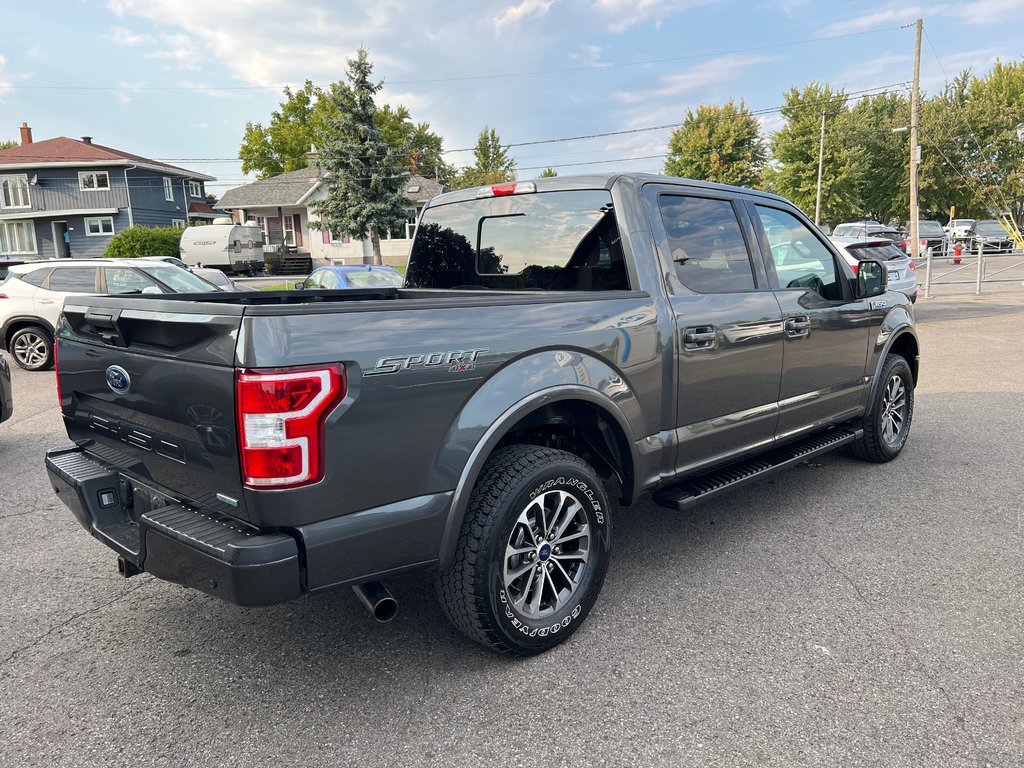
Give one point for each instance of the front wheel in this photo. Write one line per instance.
(887, 424)
(32, 348)
(532, 553)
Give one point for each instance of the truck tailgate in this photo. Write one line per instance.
(158, 388)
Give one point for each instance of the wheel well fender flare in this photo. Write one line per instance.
(13, 324)
(500, 428)
(898, 337)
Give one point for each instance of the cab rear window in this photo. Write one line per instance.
(551, 241)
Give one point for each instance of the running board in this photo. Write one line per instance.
(685, 494)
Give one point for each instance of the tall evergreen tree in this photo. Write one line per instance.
(718, 143)
(794, 172)
(363, 176)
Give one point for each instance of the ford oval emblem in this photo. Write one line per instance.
(118, 379)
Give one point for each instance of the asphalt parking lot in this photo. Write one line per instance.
(839, 614)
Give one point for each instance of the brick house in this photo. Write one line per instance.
(89, 191)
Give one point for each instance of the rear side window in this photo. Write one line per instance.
(880, 252)
(73, 280)
(706, 244)
(551, 241)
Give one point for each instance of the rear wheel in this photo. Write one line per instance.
(887, 425)
(32, 348)
(532, 553)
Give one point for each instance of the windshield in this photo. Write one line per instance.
(375, 278)
(551, 241)
(179, 280)
(929, 228)
(989, 227)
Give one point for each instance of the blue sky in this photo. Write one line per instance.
(178, 79)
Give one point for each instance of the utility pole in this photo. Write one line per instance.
(821, 162)
(915, 148)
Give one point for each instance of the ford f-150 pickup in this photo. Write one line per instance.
(555, 341)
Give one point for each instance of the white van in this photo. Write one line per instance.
(235, 248)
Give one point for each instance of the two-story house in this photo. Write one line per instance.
(67, 197)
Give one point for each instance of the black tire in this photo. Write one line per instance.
(479, 590)
(32, 348)
(887, 424)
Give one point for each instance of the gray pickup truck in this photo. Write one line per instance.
(554, 341)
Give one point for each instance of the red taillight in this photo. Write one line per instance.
(281, 417)
(56, 373)
(512, 188)
(855, 268)
(911, 265)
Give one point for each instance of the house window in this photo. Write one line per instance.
(178, 223)
(15, 192)
(90, 181)
(99, 225)
(17, 237)
(168, 190)
(195, 189)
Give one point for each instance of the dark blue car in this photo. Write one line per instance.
(352, 276)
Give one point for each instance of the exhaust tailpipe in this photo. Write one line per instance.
(377, 599)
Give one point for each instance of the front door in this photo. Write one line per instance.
(61, 239)
(826, 330)
(728, 334)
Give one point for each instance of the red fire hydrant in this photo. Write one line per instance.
(957, 251)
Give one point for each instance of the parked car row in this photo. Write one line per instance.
(988, 234)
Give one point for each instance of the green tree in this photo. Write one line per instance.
(547, 173)
(281, 146)
(303, 115)
(794, 171)
(136, 242)
(363, 176)
(492, 165)
(885, 186)
(8, 145)
(718, 143)
(424, 148)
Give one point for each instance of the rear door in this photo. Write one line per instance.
(63, 281)
(728, 327)
(826, 330)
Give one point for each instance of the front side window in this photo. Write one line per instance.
(73, 280)
(168, 190)
(17, 237)
(90, 181)
(195, 189)
(14, 192)
(99, 225)
(178, 280)
(126, 280)
(551, 241)
(801, 260)
(706, 244)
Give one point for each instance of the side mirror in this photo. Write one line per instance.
(300, 286)
(872, 279)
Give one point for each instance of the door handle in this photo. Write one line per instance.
(47, 301)
(798, 326)
(700, 337)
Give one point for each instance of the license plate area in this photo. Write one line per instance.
(894, 274)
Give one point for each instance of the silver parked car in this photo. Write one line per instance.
(901, 268)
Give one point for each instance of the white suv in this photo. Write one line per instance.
(32, 296)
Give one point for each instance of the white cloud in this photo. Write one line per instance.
(623, 14)
(887, 67)
(711, 72)
(526, 8)
(127, 39)
(35, 52)
(181, 49)
(771, 123)
(885, 16)
(5, 80)
(977, 13)
(128, 91)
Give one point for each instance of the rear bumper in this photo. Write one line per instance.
(154, 532)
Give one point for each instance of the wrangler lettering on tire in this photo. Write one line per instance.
(532, 553)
